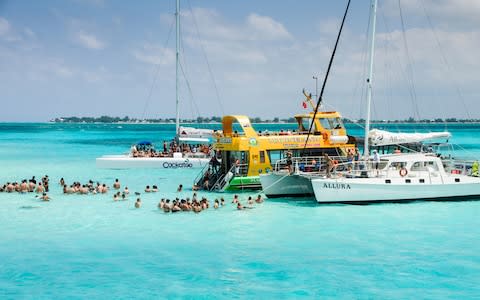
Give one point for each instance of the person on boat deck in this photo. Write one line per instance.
(356, 158)
(289, 161)
(376, 160)
(214, 163)
(116, 184)
(350, 158)
(237, 167)
(397, 151)
(329, 164)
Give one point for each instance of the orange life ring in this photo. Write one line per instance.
(403, 172)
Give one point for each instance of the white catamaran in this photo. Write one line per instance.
(396, 177)
(184, 135)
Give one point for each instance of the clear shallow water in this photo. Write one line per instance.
(89, 246)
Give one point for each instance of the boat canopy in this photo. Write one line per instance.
(383, 138)
(244, 121)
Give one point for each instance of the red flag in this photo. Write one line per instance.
(304, 104)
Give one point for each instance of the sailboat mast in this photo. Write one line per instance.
(373, 20)
(177, 27)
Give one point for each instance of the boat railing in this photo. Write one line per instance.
(199, 178)
(223, 179)
(307, 164)
(369, 169)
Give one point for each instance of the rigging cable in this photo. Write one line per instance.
(193, 103)
(409, 62)
(157, 72)
(319, 101)
(442, 54)
(206, 59)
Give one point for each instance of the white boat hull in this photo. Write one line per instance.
(128, 162)
(280, 184)
(352, 190)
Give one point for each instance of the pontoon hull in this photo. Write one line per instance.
(128, 162)
(280, 184)
(346, 190)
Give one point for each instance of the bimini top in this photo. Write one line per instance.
(244, 121)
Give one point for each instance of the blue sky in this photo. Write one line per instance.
(100, 57)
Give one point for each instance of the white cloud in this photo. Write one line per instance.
(153, 54)
(4, 27)
(89, 41)
(267, 28)
(28, 32)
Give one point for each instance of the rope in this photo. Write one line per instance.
(156, 73)
(319, 101)
(206, 59)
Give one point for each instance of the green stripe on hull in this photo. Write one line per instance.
(242, 183)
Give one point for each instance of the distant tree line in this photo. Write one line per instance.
(126, 119)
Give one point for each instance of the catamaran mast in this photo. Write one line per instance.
(177, 27)
(373, 19)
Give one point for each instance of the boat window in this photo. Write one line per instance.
(241, 156)
(417, 166)
(274, 155)
(398, 165)
(306, 124)
(331, 123)
(262, 157)
(432, 166)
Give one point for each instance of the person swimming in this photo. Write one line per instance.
(166, 207)
(154, 189)
(116, 184)
(161, 203)
(235, 199)
(138, 203)
(45, 197)
(259, 199)
(180, 188)
(239, 206)
(147, 189)
(217, 204)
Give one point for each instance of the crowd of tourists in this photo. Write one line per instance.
(179, 204)
(147, 149)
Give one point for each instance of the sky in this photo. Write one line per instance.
(251, 57)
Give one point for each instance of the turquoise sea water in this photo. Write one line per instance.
(80, 247)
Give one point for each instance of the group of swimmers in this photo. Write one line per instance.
(88, 188)
(195, 204)
(27, 186)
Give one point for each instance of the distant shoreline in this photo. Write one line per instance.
(254, 120)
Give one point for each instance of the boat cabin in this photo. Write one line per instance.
(247, 152)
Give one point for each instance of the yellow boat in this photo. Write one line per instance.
(246, 153)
